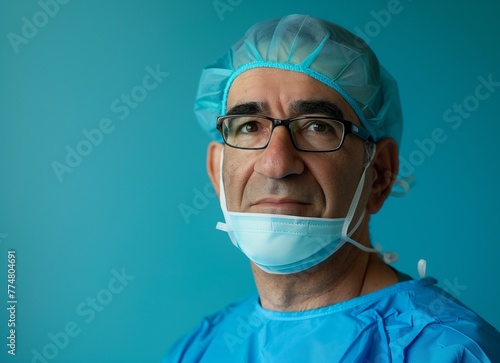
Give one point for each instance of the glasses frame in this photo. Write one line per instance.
(349, 128)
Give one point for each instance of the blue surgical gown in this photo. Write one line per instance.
(411, 321)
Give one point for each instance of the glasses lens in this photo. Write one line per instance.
(248, 132)
(317, 134)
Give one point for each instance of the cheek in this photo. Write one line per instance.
(237, 169)
(335, 167)
(335, 178)
(338, 175)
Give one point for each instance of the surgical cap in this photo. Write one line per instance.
(323, 51)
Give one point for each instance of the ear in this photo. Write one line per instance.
(385, 170)
(213, 164)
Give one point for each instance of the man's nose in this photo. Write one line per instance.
(280, 158)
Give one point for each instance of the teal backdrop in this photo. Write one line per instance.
(103, 192)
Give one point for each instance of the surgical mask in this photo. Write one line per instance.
(284, 244)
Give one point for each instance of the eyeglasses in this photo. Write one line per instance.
(308, 133)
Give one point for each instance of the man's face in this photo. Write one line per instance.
(281, 179)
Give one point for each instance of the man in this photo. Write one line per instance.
(307, 150)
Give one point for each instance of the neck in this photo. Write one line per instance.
(346, 274)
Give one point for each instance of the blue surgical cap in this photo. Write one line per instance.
(323, 51)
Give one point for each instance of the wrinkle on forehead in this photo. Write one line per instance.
(285, 94)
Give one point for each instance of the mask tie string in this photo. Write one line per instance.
(353, 206)
(389, 256)
(422, 267)
(402, 186)
(226, 227)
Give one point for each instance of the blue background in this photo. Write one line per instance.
(120, 208)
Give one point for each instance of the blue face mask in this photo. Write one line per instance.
(283, 244)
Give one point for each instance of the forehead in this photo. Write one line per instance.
(278, 91)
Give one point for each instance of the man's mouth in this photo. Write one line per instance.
(279, 205)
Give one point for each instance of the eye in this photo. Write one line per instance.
(248, 127)
(245, 126)
(319, 126)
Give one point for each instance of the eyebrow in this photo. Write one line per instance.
(323, 107)
(300, 107)
(248, 108)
